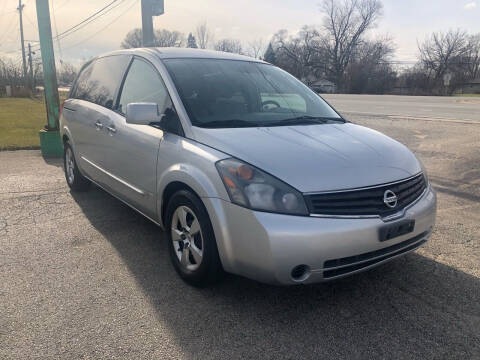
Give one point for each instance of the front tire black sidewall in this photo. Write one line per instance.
(80, 183)
(210, 269)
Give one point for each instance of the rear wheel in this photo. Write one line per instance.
(75, 180)
(191, 242)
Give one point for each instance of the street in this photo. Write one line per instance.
(429, 108)
(84, 276)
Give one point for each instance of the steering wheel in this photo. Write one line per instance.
(269, 102)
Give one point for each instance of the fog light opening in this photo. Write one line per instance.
(300, 273)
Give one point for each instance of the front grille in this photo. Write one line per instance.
(368, 201)
(353, 263)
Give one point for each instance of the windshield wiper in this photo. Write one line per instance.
(302, 120)
(232, 123)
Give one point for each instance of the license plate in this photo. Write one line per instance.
(398, 229)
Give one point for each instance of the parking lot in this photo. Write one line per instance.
(83, 276)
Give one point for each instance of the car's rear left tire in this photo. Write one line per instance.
(191, 241)
(75, 180)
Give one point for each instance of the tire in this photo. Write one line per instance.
(191, 241)
(75, 180)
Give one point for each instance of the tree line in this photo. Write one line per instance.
(339, 49)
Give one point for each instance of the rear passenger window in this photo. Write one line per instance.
(99, 81)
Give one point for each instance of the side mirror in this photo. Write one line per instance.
(142, 113)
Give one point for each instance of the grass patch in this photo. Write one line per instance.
(20, 121)
(468, 95)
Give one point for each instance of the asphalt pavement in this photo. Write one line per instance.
(84, 277)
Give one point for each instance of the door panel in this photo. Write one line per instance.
(94, 94)
(131, 158)
(132, 150)
(90, 140)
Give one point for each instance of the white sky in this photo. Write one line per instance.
(405, 20)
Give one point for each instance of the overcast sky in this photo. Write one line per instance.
(406, 21)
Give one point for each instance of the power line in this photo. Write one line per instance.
(87, 21)
(62, 5)
(9, 26)
(103, 11)
(56, 31)
(103, 28)
(88, 18)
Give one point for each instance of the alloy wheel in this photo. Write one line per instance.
(187, 238)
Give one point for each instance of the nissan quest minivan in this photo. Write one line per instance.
(246, 169)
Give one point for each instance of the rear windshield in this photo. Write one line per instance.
(229, 93)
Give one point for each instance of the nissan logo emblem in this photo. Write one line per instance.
(390, 199)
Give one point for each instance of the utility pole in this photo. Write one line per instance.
(30, 63)
(20, 9)
(147, 24)
(150, 8)
(50, 141)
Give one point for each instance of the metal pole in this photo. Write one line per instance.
(20, 9)
(147, 24)
(30, 62)
(48, 61)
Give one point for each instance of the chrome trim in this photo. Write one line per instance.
(362, 188)
(395, 216)
(418, 245)
(345, 216)
(392, 253)
(111, 129)
(141, 192)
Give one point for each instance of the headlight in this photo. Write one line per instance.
(250, 187)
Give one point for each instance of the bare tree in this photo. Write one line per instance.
(133, 39)
(370, 70)
(166, 38)
(302, 55)
(204, 35)
(443, 52)
(162, 38)
(229, 45)
(472, 56)
(67, 73)
(256, 48)
(345, 24)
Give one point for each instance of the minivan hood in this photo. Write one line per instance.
(315, 158)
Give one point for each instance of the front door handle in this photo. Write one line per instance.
(111, 129)
(99, 125)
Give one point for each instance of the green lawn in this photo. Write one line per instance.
(20, 121)
(468, 95)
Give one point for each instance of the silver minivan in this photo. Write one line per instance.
(246, 169)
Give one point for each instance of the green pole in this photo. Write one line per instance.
(50, 141)
(48, 61)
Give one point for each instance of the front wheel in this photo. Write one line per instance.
(191, 241)
(75, 180)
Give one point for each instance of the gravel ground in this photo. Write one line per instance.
(83, 276)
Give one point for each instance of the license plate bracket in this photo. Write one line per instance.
(392, 231)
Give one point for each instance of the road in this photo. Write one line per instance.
(453, 109)
(84, 277)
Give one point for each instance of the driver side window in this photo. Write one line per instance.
(143, 84)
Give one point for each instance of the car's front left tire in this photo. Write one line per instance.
(191, 241)
(75, 180)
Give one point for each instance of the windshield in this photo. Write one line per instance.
(229, 93)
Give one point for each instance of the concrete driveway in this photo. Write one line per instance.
(84, 277)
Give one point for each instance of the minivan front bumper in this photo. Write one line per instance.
(269, 247)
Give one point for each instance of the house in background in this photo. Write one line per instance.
(323, 86)
(470, 87)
